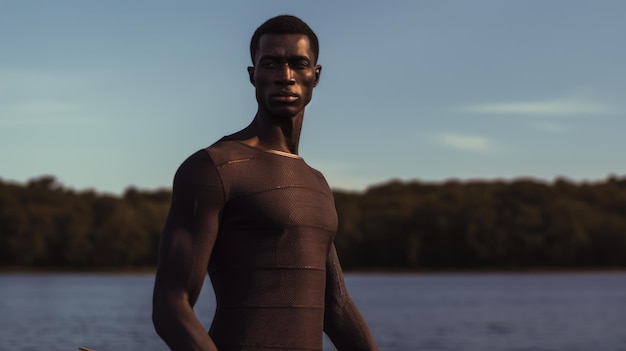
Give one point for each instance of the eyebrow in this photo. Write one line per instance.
(282, 58)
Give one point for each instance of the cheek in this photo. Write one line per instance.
(308, 81)
(260, 80)
(310, 78)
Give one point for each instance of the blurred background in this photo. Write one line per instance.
(475, 145)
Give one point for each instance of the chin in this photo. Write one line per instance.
(285, 113)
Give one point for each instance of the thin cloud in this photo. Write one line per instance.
(37, 108)
(39, 113)
(33, 81)
(464, 142)
(557, 107)
(550, 127)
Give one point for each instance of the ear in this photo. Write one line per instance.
(318, 72)
(251, 74)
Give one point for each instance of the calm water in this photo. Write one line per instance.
(476, 312)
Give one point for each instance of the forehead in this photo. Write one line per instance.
(284, 45)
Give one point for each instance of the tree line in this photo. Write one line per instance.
(516, 224)
(45, 225)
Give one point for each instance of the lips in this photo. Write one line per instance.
(285, 97)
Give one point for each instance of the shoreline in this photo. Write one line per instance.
(349, 271)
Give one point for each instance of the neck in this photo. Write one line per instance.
(282, 134)
(279, 133)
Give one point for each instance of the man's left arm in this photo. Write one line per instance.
(343, 323)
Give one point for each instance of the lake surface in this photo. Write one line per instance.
(460, 312)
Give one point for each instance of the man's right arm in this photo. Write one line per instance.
(186, 243)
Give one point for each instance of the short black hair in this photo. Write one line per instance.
(284, 24)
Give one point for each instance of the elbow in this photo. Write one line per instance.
(169, 310)
(337, 303)
(333, 312)
(339, 308)
(161, 315)
(158, 320)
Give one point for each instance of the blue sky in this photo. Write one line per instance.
(111, 94)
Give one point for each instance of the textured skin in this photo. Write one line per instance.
(277, 281)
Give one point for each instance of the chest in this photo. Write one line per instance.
(276, 192)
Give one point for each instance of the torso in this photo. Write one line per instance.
(268, 265)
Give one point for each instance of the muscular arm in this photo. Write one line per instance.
(343, 322)
(186, 243)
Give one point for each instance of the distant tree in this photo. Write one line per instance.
(523, 223)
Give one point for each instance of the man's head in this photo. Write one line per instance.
(284, 24)
(285, 68)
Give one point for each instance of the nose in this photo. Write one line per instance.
(285, 75)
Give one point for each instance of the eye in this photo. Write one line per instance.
(299, 64)
(269, 64)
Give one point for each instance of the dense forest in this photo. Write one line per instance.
(516, 224)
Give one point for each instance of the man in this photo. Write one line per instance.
(262, 222)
